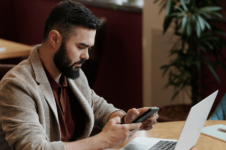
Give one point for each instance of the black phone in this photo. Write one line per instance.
(146, 115)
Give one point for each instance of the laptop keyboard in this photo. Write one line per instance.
(164, 145)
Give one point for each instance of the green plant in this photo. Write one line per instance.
(195, 25)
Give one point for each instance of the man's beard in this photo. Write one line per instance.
(62, 62)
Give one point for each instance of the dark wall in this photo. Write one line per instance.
(7, 21)
(119, 79)
(121, 63)
(208, 80)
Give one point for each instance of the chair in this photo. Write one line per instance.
(220, 112)
(4, 68)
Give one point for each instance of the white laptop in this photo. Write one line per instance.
(189, 135)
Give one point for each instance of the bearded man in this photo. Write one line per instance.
(46, 102)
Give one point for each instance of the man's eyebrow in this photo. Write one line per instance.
(86, 45)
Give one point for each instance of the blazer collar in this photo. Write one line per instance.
(42, 80)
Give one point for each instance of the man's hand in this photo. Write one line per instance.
(132, 114)
(114, 133)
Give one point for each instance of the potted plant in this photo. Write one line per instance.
(199, 37)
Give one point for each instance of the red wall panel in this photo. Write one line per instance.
(119, 79)
(7, 21)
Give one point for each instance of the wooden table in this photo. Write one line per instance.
(172, 130)
(14, 49)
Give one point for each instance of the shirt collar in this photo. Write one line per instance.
(53, 83)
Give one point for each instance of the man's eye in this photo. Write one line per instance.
(81, 47)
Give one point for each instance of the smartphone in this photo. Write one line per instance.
(146, 115)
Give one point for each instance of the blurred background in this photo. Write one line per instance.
(130, 49)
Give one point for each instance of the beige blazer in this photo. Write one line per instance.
(28, 112)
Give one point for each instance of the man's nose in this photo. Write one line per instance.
(85, 54)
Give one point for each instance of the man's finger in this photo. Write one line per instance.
(157, 115)
(131, 115)
(133, 126)
(116, 120)
(152, 118)
(132, 112)
(147, 127)
(144, 109)
(132, 132)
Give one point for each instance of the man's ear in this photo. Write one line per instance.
(55, 38)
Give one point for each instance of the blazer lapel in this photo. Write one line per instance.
(42, 80)
(48, 94)
(85, 105)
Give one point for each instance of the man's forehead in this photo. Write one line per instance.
(78, 30)
(83, 35)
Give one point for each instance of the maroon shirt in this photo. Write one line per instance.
(67, 108)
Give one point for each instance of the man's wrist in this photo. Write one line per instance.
(101, 139)
(96, 142)
(118, 113)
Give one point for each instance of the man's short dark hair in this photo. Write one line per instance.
(67, 15)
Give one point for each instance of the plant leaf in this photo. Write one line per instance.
(201, 22)
(208, 26)
(220, 33)
(213, 72)
(184, 5)
(206, 15)
(209, 9)
(209, 45)
(193, 21)
(174, 95)
(210, 38)
(168, 7)
(217, 14)
(176, 14)
(180, 9)
(188, 26)
(198, 29)
(167, 23)
(184, 24)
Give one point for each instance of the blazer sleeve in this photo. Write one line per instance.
(19, 118)
(102, 110)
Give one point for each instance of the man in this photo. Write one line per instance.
(45, 101)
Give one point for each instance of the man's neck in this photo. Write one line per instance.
(46, 55)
